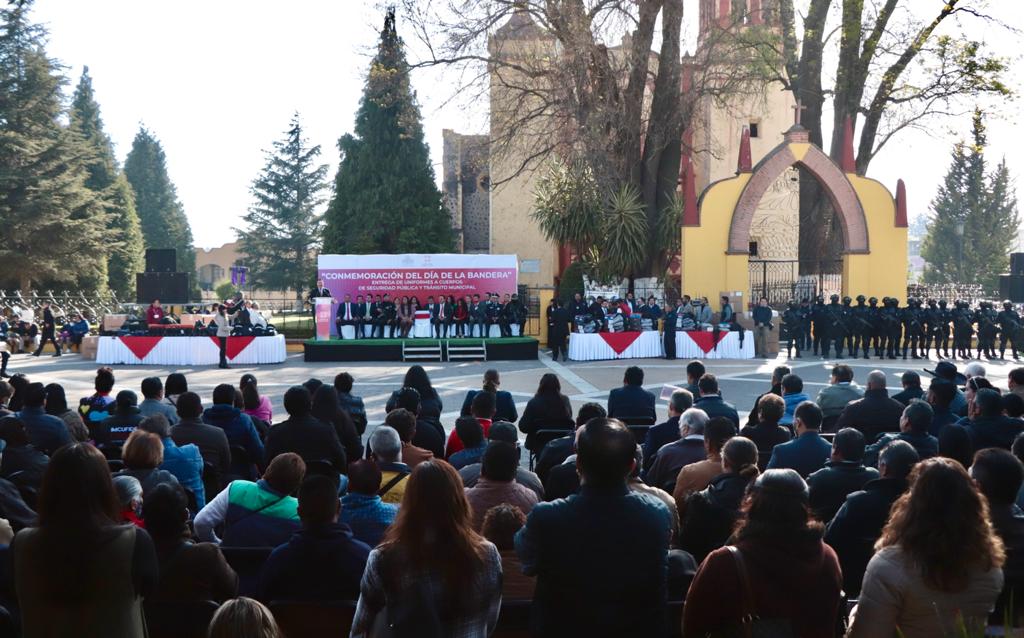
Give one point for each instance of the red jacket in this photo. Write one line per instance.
(455, 443)
(154, 314)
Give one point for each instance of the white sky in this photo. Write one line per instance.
(217, 82)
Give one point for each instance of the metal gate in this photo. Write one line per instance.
(782, 280)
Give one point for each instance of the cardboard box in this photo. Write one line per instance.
(89, 345)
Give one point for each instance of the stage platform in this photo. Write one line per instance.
(495, 349)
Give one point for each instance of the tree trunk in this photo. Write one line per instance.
(629, 145)
(664, 133)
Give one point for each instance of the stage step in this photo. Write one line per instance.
(422, 353)
(474, 353)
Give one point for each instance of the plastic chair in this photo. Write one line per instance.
(321, 467)
(247, 563)
(178, 619)
(323, 619)
(542, 437)
(828, 424)
(241, 465)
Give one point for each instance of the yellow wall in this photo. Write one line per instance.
(883, 272)
(707, 269)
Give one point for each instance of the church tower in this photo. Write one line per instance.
(717, 126)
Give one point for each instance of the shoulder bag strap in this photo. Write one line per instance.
(390, 484)
(746, 595)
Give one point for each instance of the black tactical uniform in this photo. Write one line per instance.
(1009, 329)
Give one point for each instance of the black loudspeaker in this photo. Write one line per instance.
(161, 259)
(1012, 287)
(168, 287)
(1017, 263)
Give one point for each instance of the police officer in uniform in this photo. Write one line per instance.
(804, 336)
(944, 330)
(963, 329)
(819, 320)
(669, 329)
(931, 318)
(891, 326)
(792, 319)
(913, 333)
(875, 317)
(987, 330)
(835, 328)
(1009, 329)
(863, 328)
(848, 325)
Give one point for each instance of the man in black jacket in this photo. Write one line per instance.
(623, 593)
(304, 434)
(911, 382)
(711, 400)
(667, 432)
(558, 331)
(876, 413)
(1000, 475)
(631, 400)
(987, 424)
(842, 475)
(859, 522)
(49, 331)
(429, 433)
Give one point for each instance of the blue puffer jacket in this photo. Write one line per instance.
(792, 400)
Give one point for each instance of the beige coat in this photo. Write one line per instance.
(895, 595)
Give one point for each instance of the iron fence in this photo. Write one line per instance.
(782, 280)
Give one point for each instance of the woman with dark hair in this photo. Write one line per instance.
(432, 575)
(430, 403)
(99, 405)
(188, 571)
(709, 516)
(404, 318)
(80, 572)
(548, 409)
(254, 404)
(327, 409)
(783, 575)
(57, 405)
(505, 406)
(937, 564)
(143, 453)
(461, 317)
(19, 383)
(175, 385)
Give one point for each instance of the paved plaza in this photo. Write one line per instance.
(741, 381)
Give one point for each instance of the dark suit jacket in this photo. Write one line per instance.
(908, 395)
(308, 437)
(858, 524)
(999, 431)
(831, 485)
(359, 310)
(623, 593)
(630, 400)
(716, 406)
(504, 404)
(874, 414)
(806, 453)
(429, 436)
(657, 436)
(673, 457)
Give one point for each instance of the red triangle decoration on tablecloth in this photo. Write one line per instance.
(706, 340)
(619, 341)
(140, 346)
(235, 344)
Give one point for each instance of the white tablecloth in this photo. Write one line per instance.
(591, 347)
(188, 351)
(692, 346)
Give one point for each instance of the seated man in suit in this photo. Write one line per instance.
(440, 315)
(711, 401)
(808, 452)
(359, 315)
(494, 311)
(631, 400)
(376, 316)
(346, 316)
(478, 316)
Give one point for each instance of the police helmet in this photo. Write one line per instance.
(834, 298)
(861, 298)
(873, 301)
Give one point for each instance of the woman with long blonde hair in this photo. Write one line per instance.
(937, 563)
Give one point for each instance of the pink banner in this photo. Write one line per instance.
(418, 276)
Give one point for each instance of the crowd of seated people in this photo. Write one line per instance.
(865, 525)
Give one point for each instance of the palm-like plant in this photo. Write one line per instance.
(624, 233)
(567, 204)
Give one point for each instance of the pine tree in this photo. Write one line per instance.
(124, 237)
(53, 225)
(161, 217)
(385, 199)
(285, 221)
(974, 220)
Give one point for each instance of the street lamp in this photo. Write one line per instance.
(959, 229)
